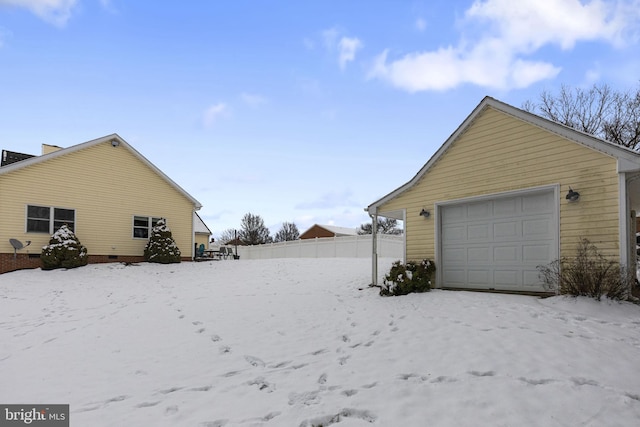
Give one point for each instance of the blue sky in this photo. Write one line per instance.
(298, 111)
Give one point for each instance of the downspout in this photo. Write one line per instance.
(193, 234)
(374, 249)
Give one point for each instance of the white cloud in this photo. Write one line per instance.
(498, 37)
(108, 6)
(211, 114)
(421, 24)
(345, 46)
(531, 24)
(253, 100)
(330, 37)
(348, 47)
(56, 12)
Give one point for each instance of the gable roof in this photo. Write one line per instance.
(628, 160)
(199, 226)
(338, 231)
(114, 138)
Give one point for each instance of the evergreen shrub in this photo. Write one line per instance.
(407, 278)
(161, 247)
(63, 251)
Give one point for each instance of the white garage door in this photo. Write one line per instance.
(498, 243)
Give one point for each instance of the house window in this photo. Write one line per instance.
(142, 226)
(46, 219)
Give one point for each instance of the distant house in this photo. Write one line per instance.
(317, 230)
(509, 191)
(108, 193)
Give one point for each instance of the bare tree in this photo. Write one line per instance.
(227, 236)
(253, 230)
(385, 226)
(599, 111)
(288, 231)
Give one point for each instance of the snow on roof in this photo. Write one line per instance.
(198, 225)
(339, 230)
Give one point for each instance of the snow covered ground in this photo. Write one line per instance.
(305, 342)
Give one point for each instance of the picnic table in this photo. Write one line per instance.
(220, 253)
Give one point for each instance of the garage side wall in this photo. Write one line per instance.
(499, 153)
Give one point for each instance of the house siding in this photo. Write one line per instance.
(106, 186)
(202, 239)
(500, 153)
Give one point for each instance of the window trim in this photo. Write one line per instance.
(51, 220)
(151, 221)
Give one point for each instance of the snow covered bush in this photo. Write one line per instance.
(63, 251)
(589, 274)
(161, 247)
(404, 279)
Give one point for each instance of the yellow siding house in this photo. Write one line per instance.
(105, 190)
(509, 191)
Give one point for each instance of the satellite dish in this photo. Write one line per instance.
(17, 245)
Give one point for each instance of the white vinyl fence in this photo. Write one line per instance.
(389, 246)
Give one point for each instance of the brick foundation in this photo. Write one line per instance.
(26, 261)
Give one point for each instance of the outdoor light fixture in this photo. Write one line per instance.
(115, 142)
(572, 196)
(425, 213)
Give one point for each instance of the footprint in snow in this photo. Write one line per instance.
(169, 410)
(536, 382)
(117, 398)
(215, 338)
(170, 390)
(407, 377)
(271, 415)
(327, 420)
(482, 373)
(254, 361)
(343, 360)
(147, 404)
(202, 388)
(280, 364)
(583, 381)
(263, 385)
(305, 398)
(216, 423)
(444, 379)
